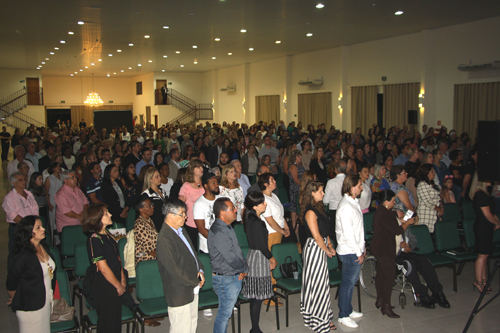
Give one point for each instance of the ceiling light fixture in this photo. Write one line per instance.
(320, 5)
(250, 49)
(118, 50)
(81, 22)
(213, 58)
(309, 34)
(217, 39)
(195, 47)
(150, 60)
(76, 72)
(92, 64)
(399, 12)
(182, 65)
(146, 36)
(163, 70)
(43, 62)
(130, 44)
(86, 66)
(196, 62)
(71, 33)
(229, 53)
(81, 70)
(166, 27)
(56, 48)
(93, 99)
(51, 53)
(243, 30)
(110, 55)
(46, 58)
(164, 56)
(71, 75)
(122, 71)
(99, 59)
(114, 73)
(139, 65)
(108, 75)
(278, 42)
(177, 52)
(62, 41)
(130, 68)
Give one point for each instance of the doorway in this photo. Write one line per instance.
(156, 121)
(57, 114)
(148, 115)
(158, 95)
(33, 90)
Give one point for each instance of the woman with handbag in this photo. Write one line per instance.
(257, 285)
(109, 280)
(31, 277)
(315, 303)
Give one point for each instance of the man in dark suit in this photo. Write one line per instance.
(164, 93)
(215, 151)
(82, 124)
(180, 269)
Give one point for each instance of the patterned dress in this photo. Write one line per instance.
(237, 198)
(396, 188)
(295, 188)
(145, 237)
(428, 197)
(377, 185)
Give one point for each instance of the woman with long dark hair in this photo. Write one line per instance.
(39, 192)
(130, 184)
(114, 194)
(31, 277)
(257, 285)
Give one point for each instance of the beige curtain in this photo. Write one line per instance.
(267, 108)
(398, 99)
(363, 108)
(79, 112)
(315, 109)
(474, 102)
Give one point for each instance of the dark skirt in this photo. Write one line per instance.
(257, 284)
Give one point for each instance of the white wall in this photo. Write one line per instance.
(37, 112)
(230, 104)
(10, 80)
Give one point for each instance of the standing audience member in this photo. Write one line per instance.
(315, 302)
(242, 178)
(31, 278)
(295, 171)
(180, 269)
(250, 161)
(146, 159)
(273, 153)
(130, 183)
(203, 212)
(33, 156)
(106, 159)
(179, 181)
(215, 151)
(351, 247)
(378, 182)
(366, 195)
(20, 154)
(94, 183)
(39, 193)
(166, 181)
(404, 198)
(317, 165)
(70, 202)
(175, 157)
(383, 246)
(109, 281)
(153, 191)
(229, 187)
(333, 195)
(52, 184)
(257, 285)
(190, 191)
(429, 197)
(306, 153)
(17, 204)
(229, 266)
(113, 193)
(6, 137)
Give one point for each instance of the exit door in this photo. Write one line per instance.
(158, 95)
(33, 90)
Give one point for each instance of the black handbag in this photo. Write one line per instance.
(288, 267)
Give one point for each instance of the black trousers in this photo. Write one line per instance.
(286, 184)
(5, 152)
(193, 234)
(416, 263)
(333, 235)
(107, 304)
(386, 274)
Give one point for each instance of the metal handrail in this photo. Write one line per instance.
(181, 97)
(16, 119)
(202, 111)
(12, 97)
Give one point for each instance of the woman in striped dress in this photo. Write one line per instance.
(257, 285)
(315, 303)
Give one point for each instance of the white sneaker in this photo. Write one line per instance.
(208, 313)
(355, 315)
(347, 321)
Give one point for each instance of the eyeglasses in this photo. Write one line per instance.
(181, 215)
(232, 208)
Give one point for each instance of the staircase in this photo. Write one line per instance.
(12, 104)
(191, 112)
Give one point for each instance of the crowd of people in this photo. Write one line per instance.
(201, 179)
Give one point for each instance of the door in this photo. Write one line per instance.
(148, 115)
(158, 96)
(156, 121)
(33, 90)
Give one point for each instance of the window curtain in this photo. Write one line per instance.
(474, 102)
(398, 99)
(315, 109)
(363, 108)
(79, 112)
(267, 108)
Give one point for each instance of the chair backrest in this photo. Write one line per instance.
(82, 261)
(57, 256)
(368, 225)
(241, 235)
(148, 280)
(63, 282)
(333, 263)
(121, 246)
(496, 236)
(244, 249)
(280, 252)
(424, 239)
(452, 213)
(207, 268)
(470, 239)
(447, 237)
(130, 219)
(44, 221)
(468, 210)
(71, 235)
(116, 225)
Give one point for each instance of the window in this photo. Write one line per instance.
(138, 88)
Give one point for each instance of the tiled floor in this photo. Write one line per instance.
(412, 319)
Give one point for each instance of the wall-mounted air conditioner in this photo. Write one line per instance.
(476, 67)
(229, 89)
(315, 82)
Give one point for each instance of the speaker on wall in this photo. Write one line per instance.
(488, 155)
(412, 117)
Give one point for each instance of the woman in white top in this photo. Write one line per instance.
(125, 135)
(229, 187)
(366, 195)
(351, 246)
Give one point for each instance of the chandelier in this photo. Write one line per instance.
(93, 99)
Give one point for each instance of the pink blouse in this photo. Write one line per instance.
(191, 196)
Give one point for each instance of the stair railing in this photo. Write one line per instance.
(17, 119)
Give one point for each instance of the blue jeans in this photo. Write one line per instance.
(350, 275)
(227, 288)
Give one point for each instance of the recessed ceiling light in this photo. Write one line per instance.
(250, 49)
(182, 65)
(46, 58)
(56, 48)
(114, 73)
(278, 42)
(122, 71)
(86, 66)
(229, 53)
(130, 68)
(110, 55)
(163, 70)
(71, 75)
(62, 42)
(108, 75)
(166, 27)
(81, 22)
(214, 58)
(92, 64)
(51, 53)
(130, 44)
(320, 5)
(139, 65)
(150, 60)
(118, 50)
(177, 52)
(99, 59)
(217, 39)
(71, 33)
(40, 66)
(196, 62)
(399, 12)
(164, 56)
(81, 70)
(243, 30)
(43, 62)
(309, 34)
(195, 47)
(146, 36)
(76, 72)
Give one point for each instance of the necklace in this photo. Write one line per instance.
(49, 268)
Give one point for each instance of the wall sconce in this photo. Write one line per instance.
(340, 102)
(284, 103)
(421, 100)
(243, 105)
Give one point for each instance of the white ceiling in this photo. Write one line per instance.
(30, 29)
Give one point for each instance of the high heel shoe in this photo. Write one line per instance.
(480, 287)
(489, 288)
